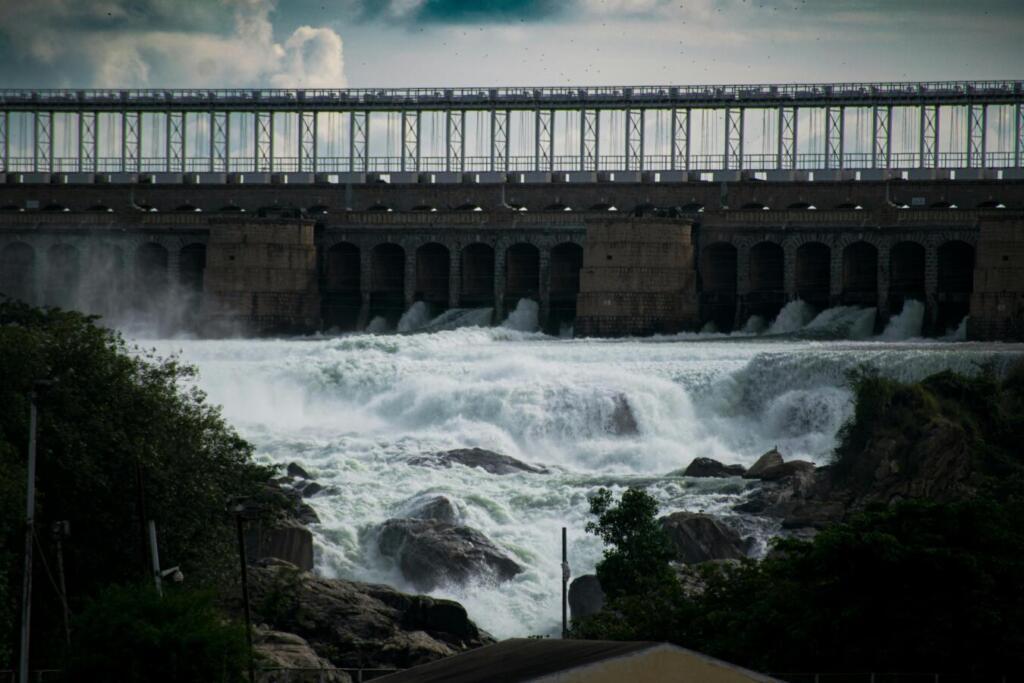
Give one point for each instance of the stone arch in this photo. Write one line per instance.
(433, 267)
(423, 208)
(860, 274)
(751, 206)
(766, 269)
(387, 282)
(564, 287)
(955, 283)
(342, 298)
(522, 274)
(991, 204)
(813, 273)
(558, 206)
(63, 275)
(18, 272)
(103, 283)
(477, 275)
(151, 278)
(906, 274)
(54, 208)
(187, 208)
(191, 279)
(718, 272)
(692, 206)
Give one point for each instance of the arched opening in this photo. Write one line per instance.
(55, 208)
(423, 208)
(378, 207)
(566, 262)
(191, 272)
(992, 204)
(341, 298)
(906, 274)
(955, 283)
(718, 271)
(754, 206)
(814, 273)
(387, 282)
(232, 208)
(151, 279)
(317, 209)
(433, 265)
(100, 208)
(522, 274)
(18, 272)
(767, 295)
(187, 208)
(801, 206)
(557, 207)
(693, 207)
(477, 276)
(860, 274)
(63, 276)
(103, 283)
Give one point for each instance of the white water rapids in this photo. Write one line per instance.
(352, 410)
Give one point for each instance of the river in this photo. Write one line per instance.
(352, 410)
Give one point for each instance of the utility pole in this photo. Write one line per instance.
(239, 511)
(565, 586)
(30, 520)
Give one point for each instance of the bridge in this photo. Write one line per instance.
(833, 130)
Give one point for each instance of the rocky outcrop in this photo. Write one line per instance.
(436, 508)
(623, 421)
(280, 650)
(766, 461)
(489, 461)
(430, 553)
(697, 537)
(585, 596)
(709, 467)
(359, 625)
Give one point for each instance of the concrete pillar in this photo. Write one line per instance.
(835, 278)
(931, 284)
(742, 283)
(173, 266)
(883, 280)
(409, 285)
(789, 269)
(454, 275)
(545, 287)
(499, 281)
(365, 284)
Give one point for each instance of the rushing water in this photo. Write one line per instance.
(353, 409)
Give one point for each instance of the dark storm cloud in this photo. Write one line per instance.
(490, 10)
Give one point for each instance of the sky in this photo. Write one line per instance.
(394, 43)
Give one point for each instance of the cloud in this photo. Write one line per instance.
(126, 43)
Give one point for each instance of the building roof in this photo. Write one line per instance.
(522, 659)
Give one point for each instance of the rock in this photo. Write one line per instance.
(288, 651)
(289, 540)
(793, 468)
(623, 421)
(489, 461)
(295, 470)
(698, 537)
(311, 489)
(360, 625)
(770, 459)
(585, 596)
(708, 467)
(437, 508)
(431, 553)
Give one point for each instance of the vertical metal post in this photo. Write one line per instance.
(565, 585)
(213, 136)
(1018, 130)
(124, 142)
(245, 592)
(154, 554)
(5, 141)
(35, 142)
(131, 141)
(351, 141)
(834, 137)
(634, 139)
(30, 514)
(976, 120)
(448, 141)
(270, 141)
(167, 142)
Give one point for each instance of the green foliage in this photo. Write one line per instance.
(116, 423)
(130, 634)
(637, 552)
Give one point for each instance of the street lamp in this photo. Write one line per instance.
(242, 510)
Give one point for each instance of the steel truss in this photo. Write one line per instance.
(544, 140)
(455, 140)
(87, 141)
(788, 124)
(634, 139)
(928, 153)
(977, 123)
(680, 140)
(499, 140)
(881, 133)
(835, 132)
(42, 149)
(590, 139)
(410, 141)
(307, 141)
(359, 141)
(131, 141)
(733, 139)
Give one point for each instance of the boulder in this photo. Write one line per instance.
(288, 540)
(708, 467)
(430, 553)
(585, 596)
(437, 508)
(698, 537)
(311, 489)
(623, 421)
(785, 470)
(489, 461)
(770, 459)
(282, 650)
(296, 471)
(359, 625)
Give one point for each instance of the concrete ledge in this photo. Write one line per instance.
(620, 176)
(352, 178)
(1013, 174)
(486, 177)
(213, 178)
(101, 178)
(190, 178)
(529, 177)
(667, 176)
(580, 177)
(167, 178)
(124, 178)
(974, 173)
(302, 178)
(728, 176)
(833, 175)
(928, 174)
(28, 178)
(394, 177)
(877, 174)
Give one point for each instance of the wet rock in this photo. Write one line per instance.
(623, 421)
(311, 489)
(489, 461)
(585, 596)
(296, 471)
(288, 540)
(360, 625)
(430, 553)
(437, 508)
(770, 459)
(283, 650)
(698, 537)
(709, 467)
(785, 470)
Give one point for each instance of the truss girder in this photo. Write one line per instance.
(1018, 134)
(590, 139)
(42, 148)
(928, 146)
(263, 145)
(634, 139)
(499, 140)
(410, 141)
(220, 136)
(544, 140)
(977, 123)
(359, 141)
(87, 141)
(131, 141)
(835, 132)
(733, 139)
(176, 139)
(881, 136)
(455, 140)
(5, 141)
(787, 144)
(680, 140)
(307, 141)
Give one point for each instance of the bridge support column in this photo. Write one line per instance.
(411, 125)
(454, 275)
(131, 142)
(499, 140)
(1018, 135)
(499, 281)
(365, 285)
(977, 122)
(263, 149)
(789, 270)
(928, 155)
(635, 139)
(742, 284)
(931, 286)
(590, 136)
(835, 274)
(835, 124)
(733, 159)
(884, 264)
(42, 148)
(545, 288)
(409, 283)
(5, 141)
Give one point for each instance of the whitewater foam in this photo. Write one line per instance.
(906, 325)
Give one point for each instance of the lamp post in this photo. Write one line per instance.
(241, 509)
